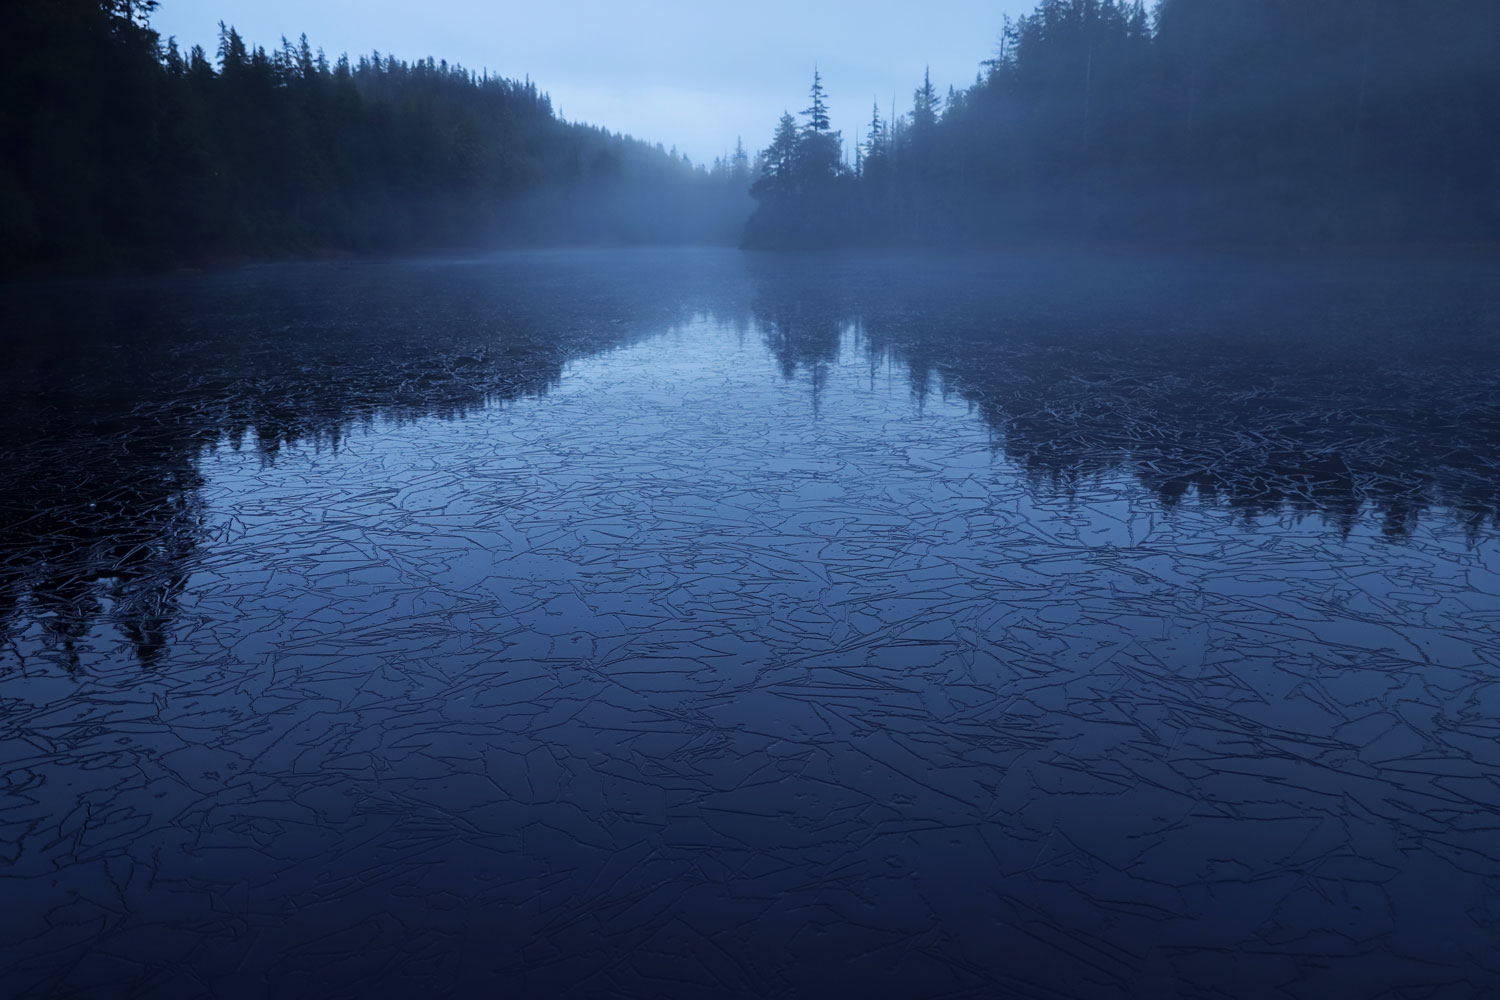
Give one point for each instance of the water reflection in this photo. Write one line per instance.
(1337, 388)
(1341, 389)
(561, 610)
(116, 390)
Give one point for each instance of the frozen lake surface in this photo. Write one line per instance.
(693, 623)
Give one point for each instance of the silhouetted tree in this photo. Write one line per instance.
(817, 113)
(800, 189)
(781, 156)
(117, 149)
(875, 137)
(1249, 120)
(924, 111)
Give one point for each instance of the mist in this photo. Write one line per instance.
(790, 500)
(697, 76)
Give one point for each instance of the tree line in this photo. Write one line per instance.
(119, 149)
(1204, 120)
(1229, 120)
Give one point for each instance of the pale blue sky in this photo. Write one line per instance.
(694, 73)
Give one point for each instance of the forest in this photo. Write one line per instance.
(1261, 121)
(118, 150)
(1234, 121)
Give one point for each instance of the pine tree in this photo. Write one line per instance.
(739, 164)
(924, 112)
(780, 157)
(875, 138)
(817, 115)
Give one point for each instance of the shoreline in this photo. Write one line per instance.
(228, 262)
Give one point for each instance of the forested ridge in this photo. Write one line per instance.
(1201, 120)
(117, 149)
(1280, 121)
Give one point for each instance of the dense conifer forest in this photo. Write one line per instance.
(1227, 121)
(1286, 121)
(119, 150)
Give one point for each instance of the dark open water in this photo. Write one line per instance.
(680, 624)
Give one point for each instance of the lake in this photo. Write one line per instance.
(699, 623)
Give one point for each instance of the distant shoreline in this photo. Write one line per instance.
(219, 263)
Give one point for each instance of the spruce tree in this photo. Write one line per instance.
(817, 115)
(924, 112)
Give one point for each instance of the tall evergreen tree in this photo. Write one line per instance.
(781, 156)
(924, 111)
(875, 137)
(817, 113)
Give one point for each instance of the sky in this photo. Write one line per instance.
(691, 73)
